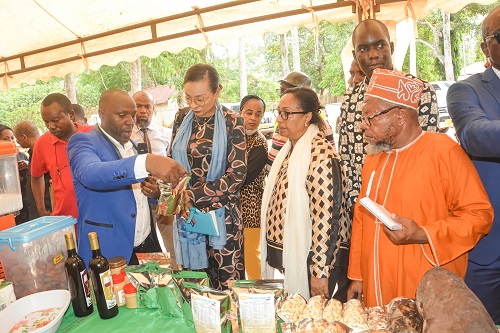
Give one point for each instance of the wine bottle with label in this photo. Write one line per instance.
(102, 284)
(78, 282)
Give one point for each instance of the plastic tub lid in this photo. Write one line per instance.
(7, 147)
(34, 229)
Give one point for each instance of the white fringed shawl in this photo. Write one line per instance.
(298, 224)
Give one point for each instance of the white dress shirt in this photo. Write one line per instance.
(159, 137)
(496, 71)
(143, 216)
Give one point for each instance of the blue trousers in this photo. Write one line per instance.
(484, 281)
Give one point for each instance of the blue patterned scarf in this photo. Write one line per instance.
(191, 247)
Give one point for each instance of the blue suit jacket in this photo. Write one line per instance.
(474, 106)
(104, 195)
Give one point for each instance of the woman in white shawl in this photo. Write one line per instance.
(304, 219)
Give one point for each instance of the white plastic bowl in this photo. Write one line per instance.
(35, 302)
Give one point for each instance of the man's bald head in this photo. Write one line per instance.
(27, 128)
(372, 46)
(143, 93)
(487, 28)
(117, 111)
(109, 96)
(26, 134)
(369, 24)
(145, 108)
(491, 44)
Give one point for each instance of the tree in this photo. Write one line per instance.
(448, 64)
(295, 49)
(284, 54)
(23, 103)
(242, 67)
(136, 76)
(169, 68)
(334, 38)
(70, 87)
(465, 36)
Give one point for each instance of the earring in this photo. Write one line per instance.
(305, 124)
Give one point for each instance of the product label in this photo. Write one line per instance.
(206, 314)
(107, 286)
(86, 289)
(121, 297)
(57, 259)
(257, 313)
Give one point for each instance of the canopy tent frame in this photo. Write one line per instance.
(47, 38)
(357, 7)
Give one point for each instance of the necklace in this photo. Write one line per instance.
(200, 126)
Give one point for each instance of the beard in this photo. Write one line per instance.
(377, 148)
(142, 123)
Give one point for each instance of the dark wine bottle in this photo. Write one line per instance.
(102, 284)
(78, 282)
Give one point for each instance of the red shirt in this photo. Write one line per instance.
(50, 155)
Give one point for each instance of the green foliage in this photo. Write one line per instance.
(456, 43)
(229, 77)
(168, 68)
(337, 37)
(272, 56)
(23, 103)
(325, 67)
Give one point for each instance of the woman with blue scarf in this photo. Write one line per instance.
(209, 141)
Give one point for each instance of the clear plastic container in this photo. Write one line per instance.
(10, 189)
(33, 254)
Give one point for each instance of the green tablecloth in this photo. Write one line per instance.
(127, 320)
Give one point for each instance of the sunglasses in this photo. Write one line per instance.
(497, 37)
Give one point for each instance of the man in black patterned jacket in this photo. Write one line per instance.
(373, 49)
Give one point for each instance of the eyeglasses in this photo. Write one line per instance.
(199, 101)
(368, 119)
(284, 114)
(497, 37)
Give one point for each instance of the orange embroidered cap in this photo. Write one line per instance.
(395, 87)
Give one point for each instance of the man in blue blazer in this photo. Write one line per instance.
(107, 175)
(474, 106)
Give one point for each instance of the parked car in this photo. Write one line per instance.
(235, 107)
(441, 88)
(267, 125)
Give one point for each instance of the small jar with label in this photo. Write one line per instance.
(130, 296)
(118, 284)
(116, 264)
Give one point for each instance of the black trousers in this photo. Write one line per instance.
(150, 244)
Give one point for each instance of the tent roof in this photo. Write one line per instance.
(45, 38)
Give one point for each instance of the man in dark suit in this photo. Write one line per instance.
(474, 106)
(107, 173)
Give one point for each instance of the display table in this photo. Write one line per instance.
(137, 320)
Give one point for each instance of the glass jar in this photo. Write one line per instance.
(130, 296)
(116, 264)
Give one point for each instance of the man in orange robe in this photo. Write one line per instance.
(427, 183)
